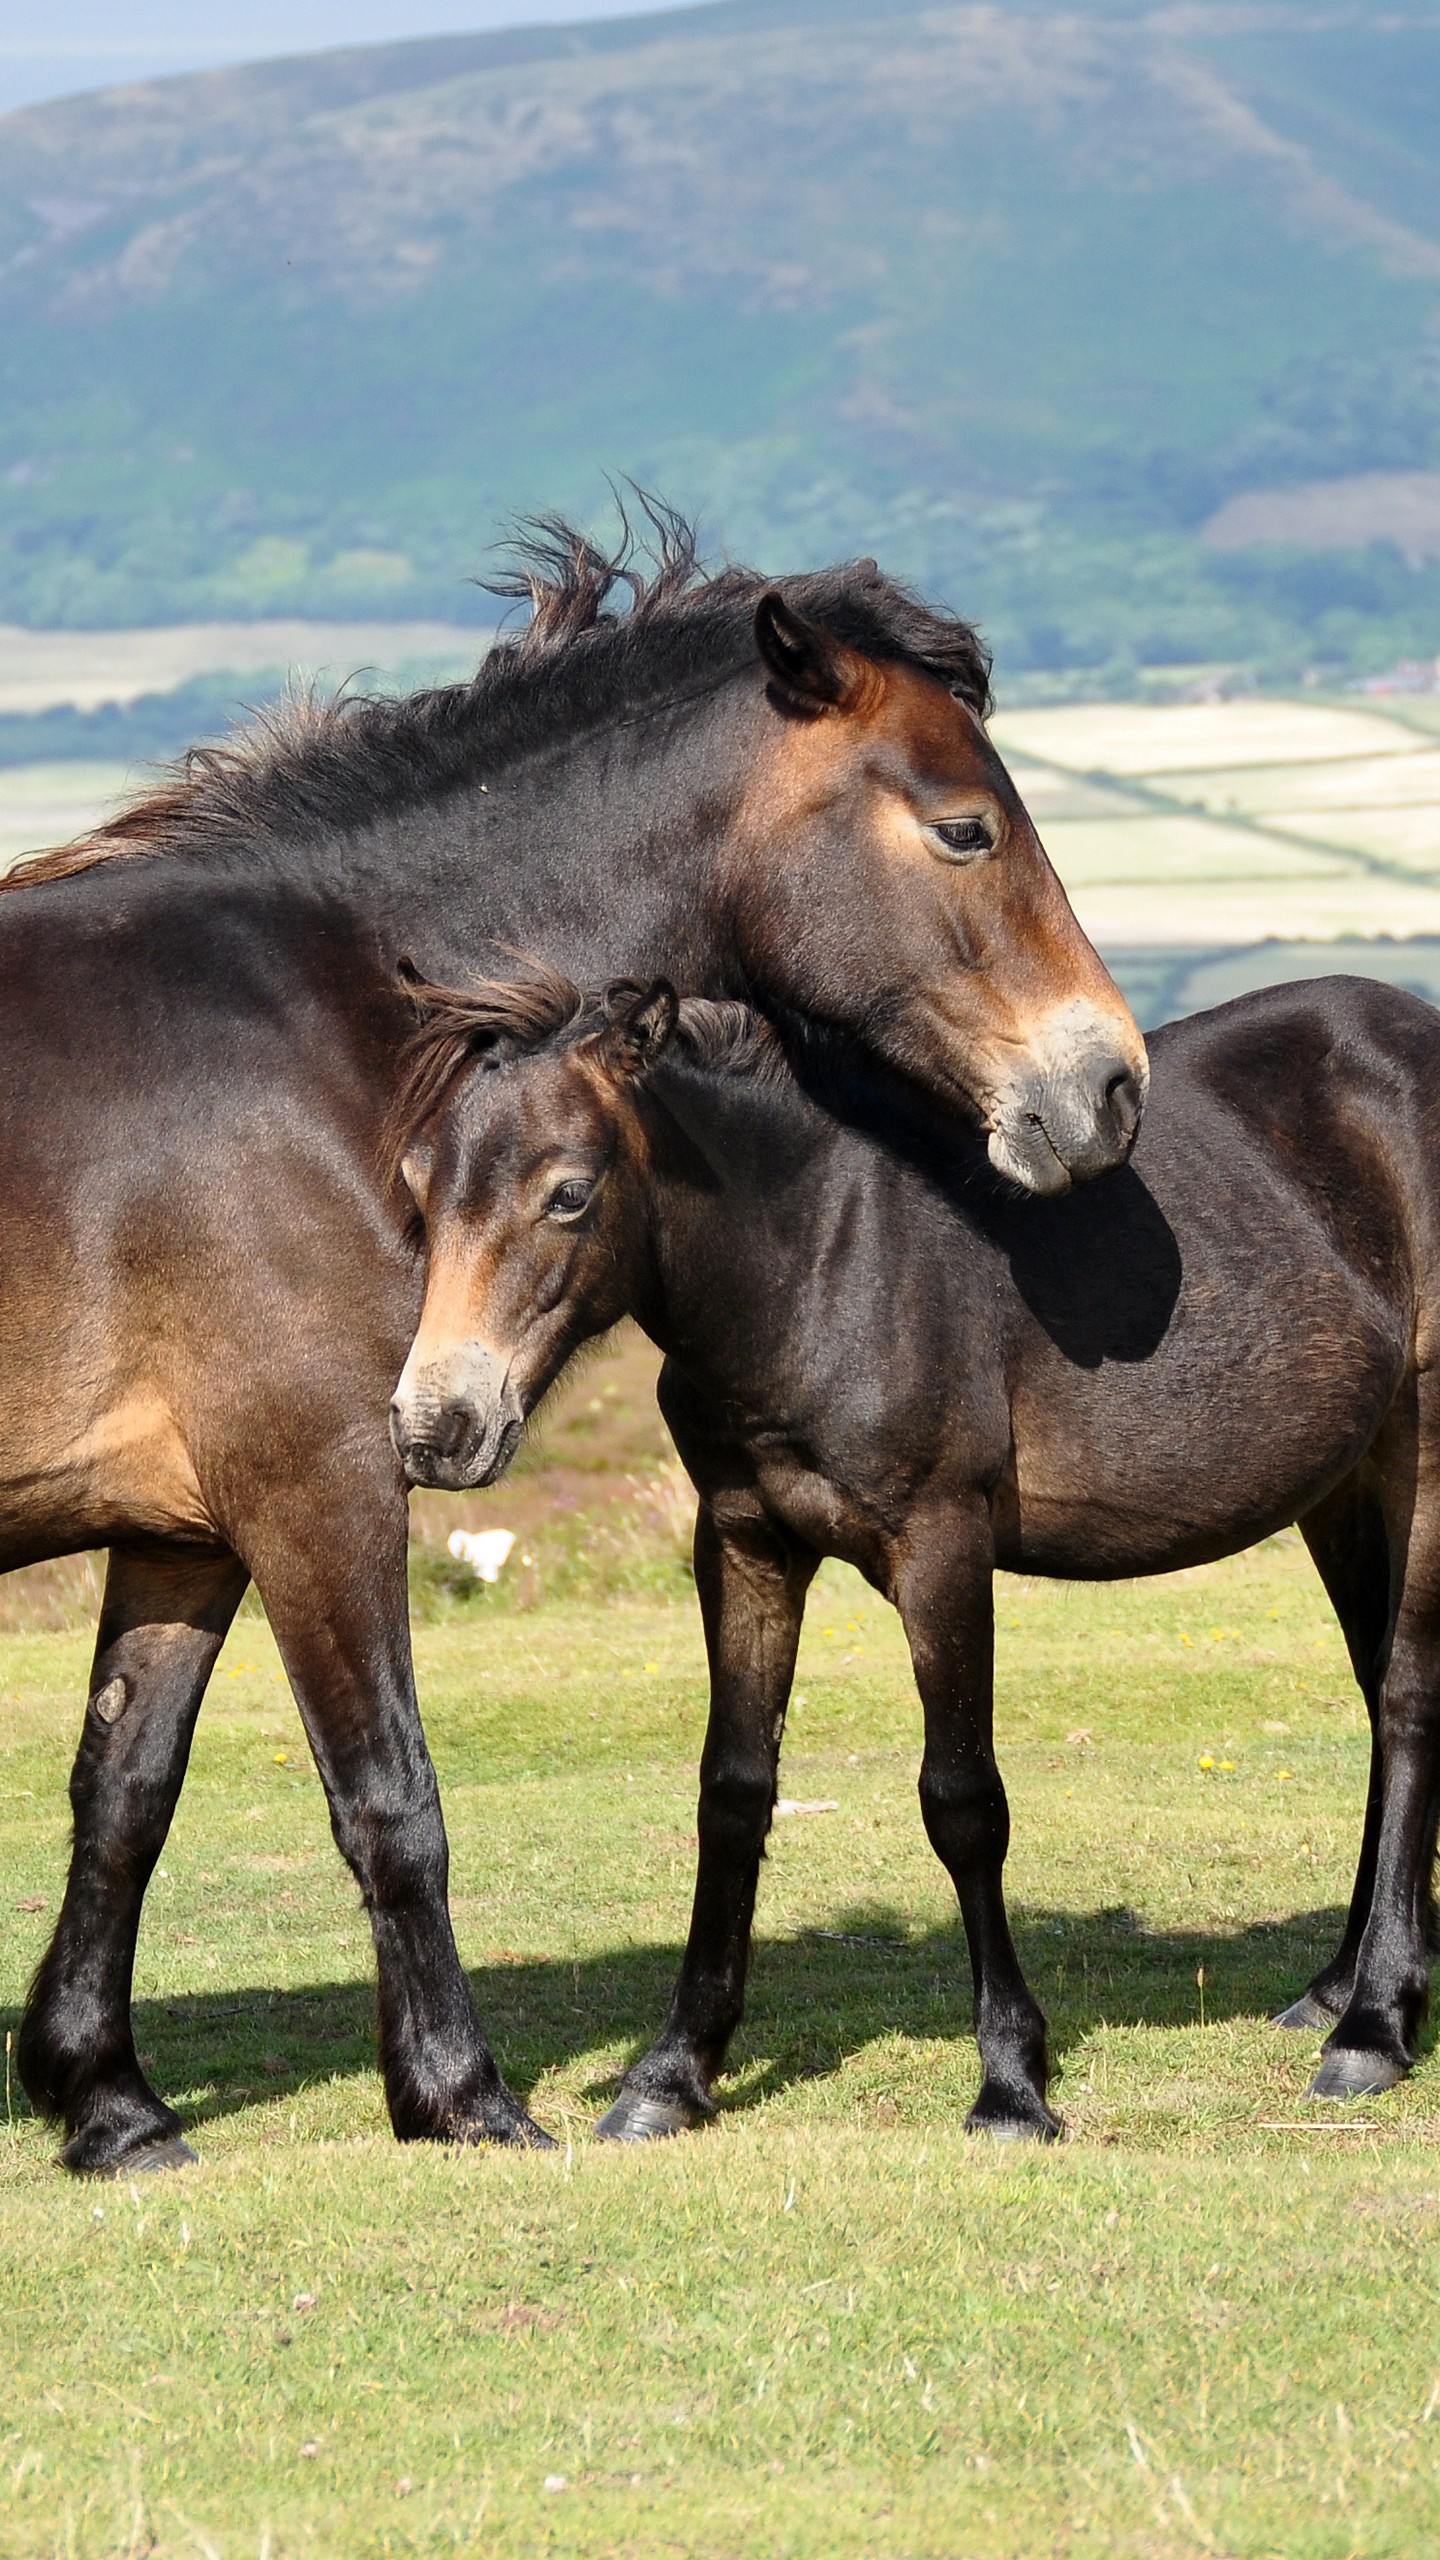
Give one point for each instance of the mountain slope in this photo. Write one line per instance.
(1013, 294)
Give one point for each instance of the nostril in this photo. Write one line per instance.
(1122, 1101)
(451, 1428)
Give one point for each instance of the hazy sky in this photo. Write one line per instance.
(50, 47)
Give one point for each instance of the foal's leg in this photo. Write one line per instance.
(164, 1619)
(1347, 1538)
(943, 1589)
(1369, 2049)
(752, 1586)
(329, 1561)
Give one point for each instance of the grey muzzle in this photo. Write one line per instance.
(1073, 1110)
(456, 1421)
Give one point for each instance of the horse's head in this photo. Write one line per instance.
(518, 1149)
(885, 874)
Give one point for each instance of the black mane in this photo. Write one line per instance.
(322, 764)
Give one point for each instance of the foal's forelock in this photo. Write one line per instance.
(506, 1017)
(521, 1018)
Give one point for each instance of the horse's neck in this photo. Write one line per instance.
(554, 856)
(752, 1176)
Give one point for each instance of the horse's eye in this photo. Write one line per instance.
(570, 1200)
(961, 839)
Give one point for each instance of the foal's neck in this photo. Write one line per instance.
(722, 1167)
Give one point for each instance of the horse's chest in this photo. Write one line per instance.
(784, 1472)
(818, 1506)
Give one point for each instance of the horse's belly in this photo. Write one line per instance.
(78, 1479)
(1139, 1470)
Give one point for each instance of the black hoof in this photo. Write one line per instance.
(1007, 2123)
(526, 2135)
(638, 2118)
(88, 2158)
(1307, 2016)
(1347, 2074)
(174, 2154)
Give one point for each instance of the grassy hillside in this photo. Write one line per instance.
(1013, 295)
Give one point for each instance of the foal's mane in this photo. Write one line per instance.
(511, 1019)
(319, 764)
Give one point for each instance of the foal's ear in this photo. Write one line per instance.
(642, 1020)
(415, 987)
(416, 1166)
(809, 668)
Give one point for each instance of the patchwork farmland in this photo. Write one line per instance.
(1190, 834)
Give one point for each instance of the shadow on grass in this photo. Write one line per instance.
(815, 1998)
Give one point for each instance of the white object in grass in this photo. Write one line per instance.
(484, 1550)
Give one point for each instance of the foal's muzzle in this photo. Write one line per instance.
(456, 1422)
(1072, 1110)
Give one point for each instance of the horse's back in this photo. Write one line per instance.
(1205, 1342)
(1333, 1085)
(1259, 1053)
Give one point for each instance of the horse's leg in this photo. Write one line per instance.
(1370, 2046)
(1346, 1536)
(943, 1589)
(165, 1616)
(332, 1576)
(752, 1586)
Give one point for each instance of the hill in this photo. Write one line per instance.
(1019, 296)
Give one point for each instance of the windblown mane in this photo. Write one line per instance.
(330, 764)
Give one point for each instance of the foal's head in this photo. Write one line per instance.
(522, 1153)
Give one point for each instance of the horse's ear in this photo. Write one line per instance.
(642, 1020)
(809, 667)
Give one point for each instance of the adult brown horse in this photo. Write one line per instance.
(873, 1352)
(208, 1289)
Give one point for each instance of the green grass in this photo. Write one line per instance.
(832, 2324)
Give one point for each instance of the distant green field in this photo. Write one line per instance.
(43, 804)
(833, 2324)
(84, 671)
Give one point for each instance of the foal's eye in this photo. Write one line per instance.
(569, 1200)
(961, 839)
